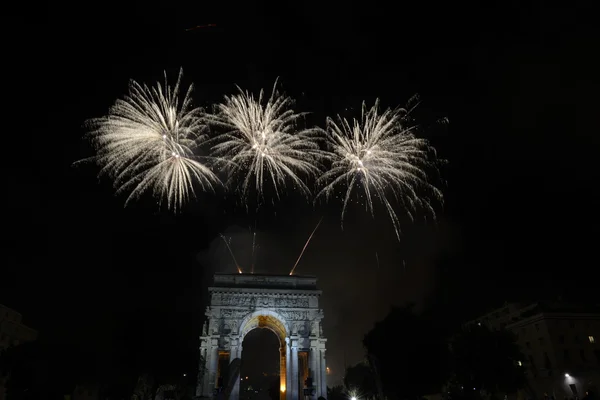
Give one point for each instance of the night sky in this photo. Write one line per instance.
(126, 287)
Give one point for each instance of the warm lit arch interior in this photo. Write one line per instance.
(268, 320)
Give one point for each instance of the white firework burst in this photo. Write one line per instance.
(262, 144)
(145, 144)
(381, 157)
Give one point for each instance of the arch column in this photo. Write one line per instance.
(288, 370)
(213, 367)
(282, 372)
(202, 382)
(235, 352)
(295, 373)
(315, 367)
(323, 371)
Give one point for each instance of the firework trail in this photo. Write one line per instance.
(261, 143)
(231, 252)
(145, 144)
(380, 157)
(377, 258)
(305, 245)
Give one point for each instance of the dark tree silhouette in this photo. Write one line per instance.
(35, 372)
(408, 354)
(336, 393)
(487, 360)
(360, 377)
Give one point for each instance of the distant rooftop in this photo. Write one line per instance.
(265, 281)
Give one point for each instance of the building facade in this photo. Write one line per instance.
(12, 333)
(560, 344)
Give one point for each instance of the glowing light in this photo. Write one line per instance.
(282, 388)
(145, 144)
(184, 374)
(567, 376)
(520, 363)
(381, 157)
(353, 398)
(328, 370)
(261, 143)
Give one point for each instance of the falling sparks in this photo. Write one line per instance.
(305, 246)
(145, 144)
(379, 156)
(261, 143)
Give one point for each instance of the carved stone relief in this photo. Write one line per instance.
(261, 301)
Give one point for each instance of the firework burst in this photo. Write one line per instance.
(379, 157)
(145, 144)
(262, 145)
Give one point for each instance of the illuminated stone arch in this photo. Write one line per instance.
(286, 305)
(266, 319)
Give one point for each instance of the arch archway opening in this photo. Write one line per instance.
(262, 324)
(260, 369)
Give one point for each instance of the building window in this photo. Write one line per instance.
(592, 339)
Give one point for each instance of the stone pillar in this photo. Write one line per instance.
(213, 367)
(282, 373)
(202, 382)
(323, 374)
(288, 371)
(314, 364)
(295, 372)
(234, 353)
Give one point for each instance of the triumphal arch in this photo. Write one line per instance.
(286, 305)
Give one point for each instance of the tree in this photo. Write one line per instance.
(408, 354)
(361, 379)
(336, 393)
(487, 360)
(36, 371)
(143, 388)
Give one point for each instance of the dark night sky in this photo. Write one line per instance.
(518, 82)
